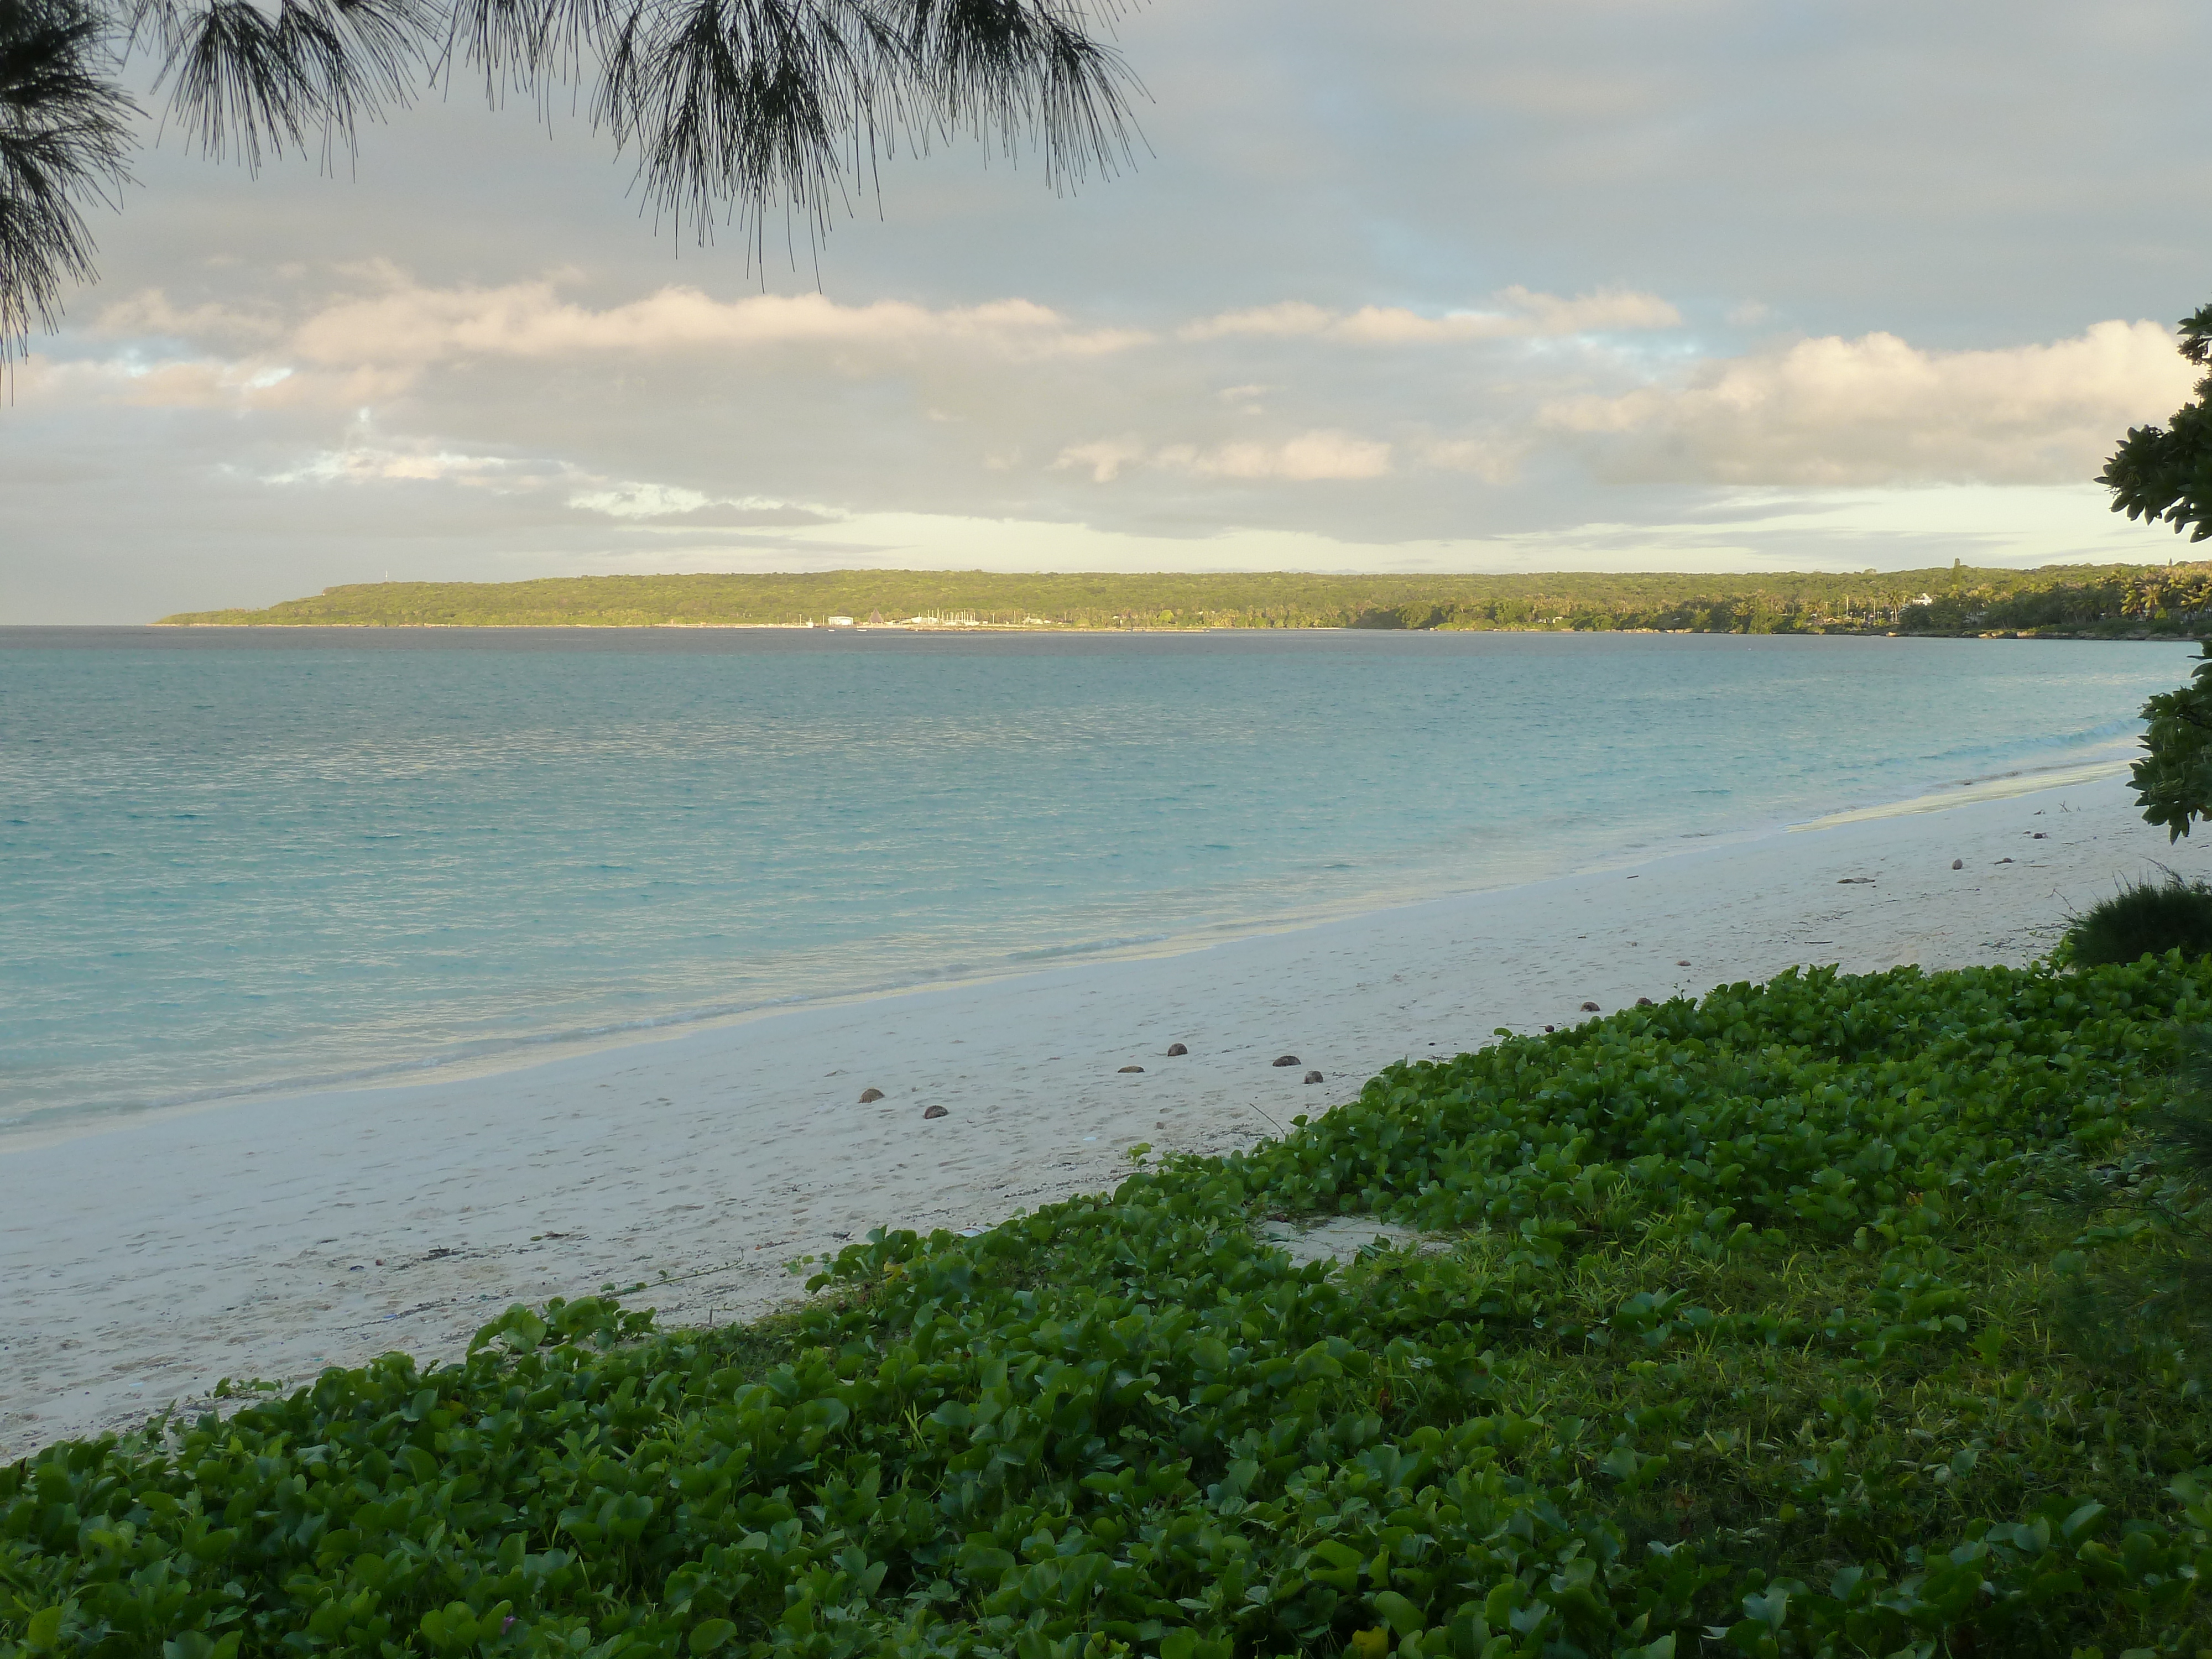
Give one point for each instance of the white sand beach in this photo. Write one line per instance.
(146, 1259)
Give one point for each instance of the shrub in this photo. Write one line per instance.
(1739, 1349)
(2146, 919)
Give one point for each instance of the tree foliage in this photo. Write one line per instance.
(730, 108)
(2173, 779)
(2164, 474)
(63, 133)
(2062, 600)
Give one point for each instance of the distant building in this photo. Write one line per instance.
(841, 622)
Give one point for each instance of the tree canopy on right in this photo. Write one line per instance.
(2164, 475)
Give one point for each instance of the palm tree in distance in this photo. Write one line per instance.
(732, 107)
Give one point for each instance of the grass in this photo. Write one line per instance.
(1792, 1320)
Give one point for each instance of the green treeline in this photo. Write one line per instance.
(2098, 600)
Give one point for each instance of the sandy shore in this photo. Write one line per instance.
(272, 1237)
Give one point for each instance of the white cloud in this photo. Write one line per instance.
(641, 499)
(1732, 531)
(506, 429)
(1308, 458)
(634, 500)
(637, 502)
(415, 325)
(384, 339)
(151, 313)
(256, 381)
(1877, 409)
(371, 463)
(1288, 317)
(1494, 460)
(1104, 457)
(363, 348)
(1527, 315)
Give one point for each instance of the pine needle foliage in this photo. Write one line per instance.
(732, 109)
(64, 130)
(1740, 1329)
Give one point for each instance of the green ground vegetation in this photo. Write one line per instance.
(2095, 601)
(1801, 1319)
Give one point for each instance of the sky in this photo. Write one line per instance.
(1429, 286)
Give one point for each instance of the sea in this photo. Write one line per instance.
(238, 862)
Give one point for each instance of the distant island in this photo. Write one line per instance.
(2113, 601)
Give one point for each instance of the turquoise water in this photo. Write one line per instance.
(242, 862)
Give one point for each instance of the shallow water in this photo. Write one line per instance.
(245, 860)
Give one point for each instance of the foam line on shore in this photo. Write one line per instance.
(272, 1236)
(1997, 788)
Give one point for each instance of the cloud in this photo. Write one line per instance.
(1289, 317)
(1305, 458)
(133, 379)
(536, 417)
(636, 500)
(371, 463)
(1309, 457)
(406, 327)
(359, 348)
(1528, 315)
(1877, 410)
(343, 353)
(1494, 460)
(415, 324)
(1384, 173)
(1105, 457)
(150, 314)
(637, 503)
(1318, 455)
(672, 506)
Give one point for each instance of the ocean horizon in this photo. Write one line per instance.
(249, 861)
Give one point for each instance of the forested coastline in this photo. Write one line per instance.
(2061, 601)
